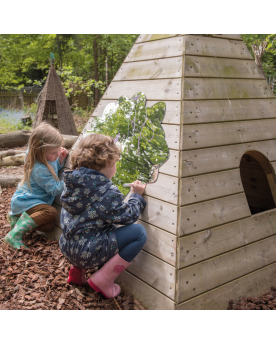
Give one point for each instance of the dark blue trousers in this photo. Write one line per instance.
(130, 240)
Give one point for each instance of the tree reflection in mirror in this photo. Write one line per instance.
(138, 131)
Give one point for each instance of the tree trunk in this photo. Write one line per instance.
(96, 69)
(13, 160)
(9, 180)
(20, 138)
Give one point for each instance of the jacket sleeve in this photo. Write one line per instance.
(45, 180)
(119, 212)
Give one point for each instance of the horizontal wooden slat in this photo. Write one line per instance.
(208, 88)
(165, 188)
(160, 243)
(171, 166)
(154, 272)
(151, 69)
(212, 67)
(218, 134)
(212, 213)
(211, 46)
(157, 90)
(223, 111)
(224, 157)
(210, 186)
(172, 114)
(222, 269)
(253, 284)
(160, 214)
(228, 237)
(157, 49)
(228, 36)
(152, 299)
(153, 37)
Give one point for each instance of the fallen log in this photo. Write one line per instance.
(13, 160)
(9, 180)
(11, 152)
(20, 138)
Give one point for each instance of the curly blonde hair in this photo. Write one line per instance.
(95, 152)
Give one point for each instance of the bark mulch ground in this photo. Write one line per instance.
(36, 278)
(265, 302)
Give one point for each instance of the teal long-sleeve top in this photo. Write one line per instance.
(44, 188)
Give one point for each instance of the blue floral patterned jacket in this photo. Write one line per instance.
(91, 205)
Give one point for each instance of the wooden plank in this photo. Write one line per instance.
(228, 237)
(171, 167)
(153, 37)
(212, 213)
(155, 90)
(53, 235)
(218, 134)
(208, 88)
(212, 67)
(211, 46)
(210, 186)
(253, 284)
(154, 272)
(204, 161)
(160, 214)
(151, 298)
(151, 69)
(231, 36)
(165, 188)
(156, 49)
(222, 111)
(172, 115)
(212, 273)
(160, 243)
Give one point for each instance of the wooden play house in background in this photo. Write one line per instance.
(211, 216)
(53, 106)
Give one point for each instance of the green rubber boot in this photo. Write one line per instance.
(24, 224)
(12, 220)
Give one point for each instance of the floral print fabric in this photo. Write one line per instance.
(91, 208)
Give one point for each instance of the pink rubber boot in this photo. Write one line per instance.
(103, 280)
(76, 276)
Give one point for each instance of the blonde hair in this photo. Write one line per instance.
(42, 138)
(95, 152)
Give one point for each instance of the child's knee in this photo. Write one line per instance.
(142, 233)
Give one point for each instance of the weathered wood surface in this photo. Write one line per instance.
(7, 181)
(172, 115)
(213, 159)
(218, 134)
(211, 46)
(210, 186)
(212, 273)
(209, 88)
(10, 152)
(13, 160)
(154, 272)
(216, 241)
(155, 90)
(151, 69)
(212, 67)
(253, 284)
(157, 213)
(231, 36)
(160, 243)
(165, 188)
(171, 167)
(153, 37)
(157, 49)
(212, 213)
(152, 299)
(20, 138)
(53, 235)
(222, 111)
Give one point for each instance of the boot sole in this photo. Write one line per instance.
(97, 289)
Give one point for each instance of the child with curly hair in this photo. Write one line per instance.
(92, 207)
(31, 203)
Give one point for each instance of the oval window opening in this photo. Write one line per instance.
(258, 181)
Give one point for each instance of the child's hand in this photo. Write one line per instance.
(63, 155)
(138, 187)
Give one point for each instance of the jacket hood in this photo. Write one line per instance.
(83, 188)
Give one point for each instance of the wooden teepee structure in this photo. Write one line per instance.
(53, 106)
